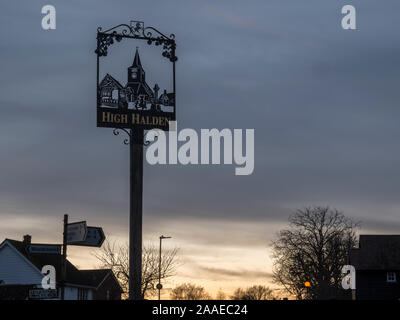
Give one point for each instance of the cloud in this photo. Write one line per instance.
(323, 103)
(250, 275)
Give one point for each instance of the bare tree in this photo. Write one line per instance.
(314, 249)
(256, 292)
(189, 291)
(116, 257)
(220, 295)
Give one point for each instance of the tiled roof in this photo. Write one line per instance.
(94, 277)
(377, 252)
(108, 78)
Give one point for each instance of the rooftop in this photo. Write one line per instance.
(377, 252)
(90, 278)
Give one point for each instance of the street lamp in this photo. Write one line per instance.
(159, 285)
(307, 284)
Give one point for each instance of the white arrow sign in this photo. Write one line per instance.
(44, 248)
(42, 294)
(76, 232)
(95, 238)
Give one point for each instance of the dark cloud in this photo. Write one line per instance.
(323, 102)
(229, 273)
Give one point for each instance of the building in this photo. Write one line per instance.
(377, 264)
(137, 87)
(20, 272)
(110, 91)
(136, 94)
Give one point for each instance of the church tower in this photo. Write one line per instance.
(136, 73)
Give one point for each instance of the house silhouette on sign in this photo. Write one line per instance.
(136, 94)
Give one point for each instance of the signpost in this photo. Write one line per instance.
(135, 105)
(44, 249)
(95, 238)
(77, 234)
(36, 294)
(132, 109)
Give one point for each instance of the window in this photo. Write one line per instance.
(115, 94)
(391, 276)
(82, 294)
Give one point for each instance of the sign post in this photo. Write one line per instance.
(94, 238)
(132, 109)
(44, 249)
(135, 215)
(64, 258)
(77, 234)
(40, 294)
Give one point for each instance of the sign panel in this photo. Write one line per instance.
(136, 103)
(76, 232)
(44, 249)
(95, 238)
(37, 294)
(125, 118)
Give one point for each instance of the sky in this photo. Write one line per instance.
(323, 102)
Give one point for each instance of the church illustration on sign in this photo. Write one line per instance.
(136, 94)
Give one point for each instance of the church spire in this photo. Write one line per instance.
(135, 71)
(136, 61)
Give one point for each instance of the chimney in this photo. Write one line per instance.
(27, 239)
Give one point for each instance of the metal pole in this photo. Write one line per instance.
(174, 82)
(135, 216)
(159, 286)
(159, 272)
(64, 258)
(97, 71)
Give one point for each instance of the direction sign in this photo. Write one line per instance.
(43, 294)
(94, 238)
(76, 232)
(44, 248)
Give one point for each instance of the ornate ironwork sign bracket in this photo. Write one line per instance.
(135, 105)
(132, 138)
(136, 30)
